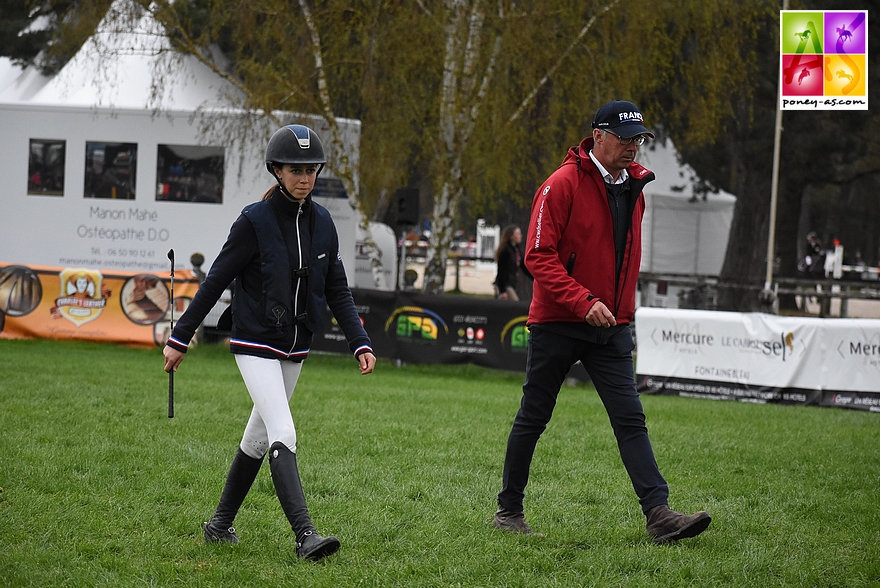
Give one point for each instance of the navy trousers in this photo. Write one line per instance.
(610, 365)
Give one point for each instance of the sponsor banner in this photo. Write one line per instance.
(759, 358)
(135, 308)
(422, 328)
(85, 303)
(823, 59)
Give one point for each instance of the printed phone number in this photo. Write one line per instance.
(131, 253)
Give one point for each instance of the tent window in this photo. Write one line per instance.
(111, 170)
(190, 173)
(46, 167)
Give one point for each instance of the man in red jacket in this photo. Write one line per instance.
(584, 248)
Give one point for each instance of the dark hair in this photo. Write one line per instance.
(506, 236)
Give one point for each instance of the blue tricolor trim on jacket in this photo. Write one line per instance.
(248, 347)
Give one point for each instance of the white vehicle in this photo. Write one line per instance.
(118, 189)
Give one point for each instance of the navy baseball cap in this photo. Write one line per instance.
(621, 118)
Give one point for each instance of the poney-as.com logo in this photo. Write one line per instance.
(416, 324)
(824, 58)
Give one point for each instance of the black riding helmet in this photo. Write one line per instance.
(294, 144)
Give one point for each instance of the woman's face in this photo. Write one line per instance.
(516, 237)
(299, 179)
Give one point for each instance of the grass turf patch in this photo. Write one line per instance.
(100, 488)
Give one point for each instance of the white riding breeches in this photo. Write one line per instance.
(270, 383)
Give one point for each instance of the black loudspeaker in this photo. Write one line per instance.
(407, 206)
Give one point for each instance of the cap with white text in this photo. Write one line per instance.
(621, 118)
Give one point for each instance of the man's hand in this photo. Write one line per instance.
(367, 363)
(600, 316)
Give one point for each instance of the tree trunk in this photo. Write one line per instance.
(461, 99)
(441, 236)
(745, 263)
(346, 168)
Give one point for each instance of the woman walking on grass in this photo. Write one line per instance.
(283, 255)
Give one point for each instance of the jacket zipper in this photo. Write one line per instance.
(614, 231)
(624, 269)
(296, 290)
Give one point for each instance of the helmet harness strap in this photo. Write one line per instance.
(284, 191)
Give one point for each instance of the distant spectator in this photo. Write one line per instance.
(509, 260)
(813, 263)
(861, 267)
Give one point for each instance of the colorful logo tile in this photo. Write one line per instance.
(802, 75)
(845, 75)
(802, 31)
(846, 32)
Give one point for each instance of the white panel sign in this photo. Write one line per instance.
(759, 357)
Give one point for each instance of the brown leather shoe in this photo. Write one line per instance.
(514, 522)
(664, 524)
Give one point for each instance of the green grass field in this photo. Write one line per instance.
(100, 488)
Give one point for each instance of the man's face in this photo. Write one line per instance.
(611, 154)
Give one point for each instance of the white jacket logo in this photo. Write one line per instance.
(538, 222)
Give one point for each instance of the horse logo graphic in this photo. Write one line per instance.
(803, 36)
(843, 34)
(805, 73)
(843, 74)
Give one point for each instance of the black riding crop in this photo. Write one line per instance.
(171, 372)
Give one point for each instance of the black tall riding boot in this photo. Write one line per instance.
(285, 476)
(242, 473)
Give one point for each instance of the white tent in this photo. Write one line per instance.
(682, 233)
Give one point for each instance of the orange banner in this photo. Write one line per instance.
(42, 302)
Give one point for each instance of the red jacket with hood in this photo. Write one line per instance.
(570, 245)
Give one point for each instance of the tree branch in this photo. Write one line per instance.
(528, 99)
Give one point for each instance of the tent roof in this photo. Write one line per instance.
(676, 181)
(8, 73)
(133, 68)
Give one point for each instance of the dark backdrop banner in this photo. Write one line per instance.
(448, 329)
